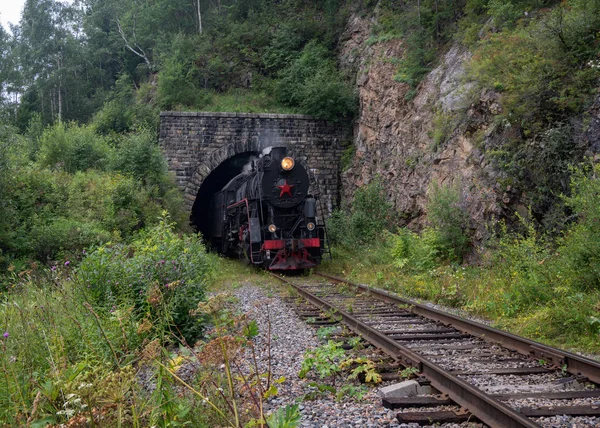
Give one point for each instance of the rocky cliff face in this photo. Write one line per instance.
(434, 136)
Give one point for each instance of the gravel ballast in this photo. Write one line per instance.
(290, 338)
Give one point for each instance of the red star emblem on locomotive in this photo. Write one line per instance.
(285, 188)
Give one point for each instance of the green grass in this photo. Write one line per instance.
(533, 305)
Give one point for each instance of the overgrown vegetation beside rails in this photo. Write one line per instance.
(128, 339)
(66, 188)
(76, 339)
(544, 288)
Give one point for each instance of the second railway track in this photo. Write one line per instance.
(501, 379)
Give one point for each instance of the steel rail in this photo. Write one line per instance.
(572, 363)
(484, 407)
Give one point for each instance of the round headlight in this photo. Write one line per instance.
(287, 163)
(310, 226)
(272, 228)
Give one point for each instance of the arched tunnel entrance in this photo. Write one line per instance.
(214, 182)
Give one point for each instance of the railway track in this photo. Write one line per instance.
(498, 378)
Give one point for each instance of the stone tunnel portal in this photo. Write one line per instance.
(214, 182)
(205, 150)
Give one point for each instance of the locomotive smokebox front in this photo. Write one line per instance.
(285, 182)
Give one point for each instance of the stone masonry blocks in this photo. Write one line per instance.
(195, 143)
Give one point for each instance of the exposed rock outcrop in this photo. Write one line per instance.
(433, 137)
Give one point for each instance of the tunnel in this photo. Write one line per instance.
(213, 183)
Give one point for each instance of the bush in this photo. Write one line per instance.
(414, 253)
(113, 117)
(580, 247)
(127, 109)
(447, 215)
(327, 96)
(63, 237)
(176, 87)
(138, 155)
(368, 219)
(120, 203)
(313, 83)
(541, 65)
(162, 275)
(73, 148)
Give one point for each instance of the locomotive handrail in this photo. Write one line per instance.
(245, 200)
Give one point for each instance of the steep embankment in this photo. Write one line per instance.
(445, 133)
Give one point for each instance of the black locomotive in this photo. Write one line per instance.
(267, 215)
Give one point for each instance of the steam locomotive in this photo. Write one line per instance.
(267, 216)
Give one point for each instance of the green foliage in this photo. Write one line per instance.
(247, 101)
(414, 253)
(58, 353)
(541, 67)
(161, 274)
(361, 367)
(580, 247)
(285, 417)
(445, 239)
(424, 25)
(313, 84)
(139, 155)
(409, 372)
(53, 214)
(368, 219)
(446, 212)
(75, 202)
(324, 361)
(126, 109)
(543, 168)
(504, 14)
(66, 355)
(177, 82)
(73, 148)
(347, 157)
(417, 60)
(443, 125)
(65, 236)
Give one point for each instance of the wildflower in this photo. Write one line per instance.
(53, 268)
(67, 263)
(5, 335)
(167, 285)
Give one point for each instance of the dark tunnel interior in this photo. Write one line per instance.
(215, 181)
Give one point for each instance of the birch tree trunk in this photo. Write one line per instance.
(199, 17)
(59, 63)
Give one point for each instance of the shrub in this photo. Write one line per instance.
(114, 117)
(64, 237)
(313, 83)
(176, 86)
(448, 217)
(138, 155)
(327, 96)
(119, 203)
(417, 60)
(542, 66)
(414, 253)
(127, 109)
(368, 219)
(73, 148)
(580, 247)
(162, 275)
